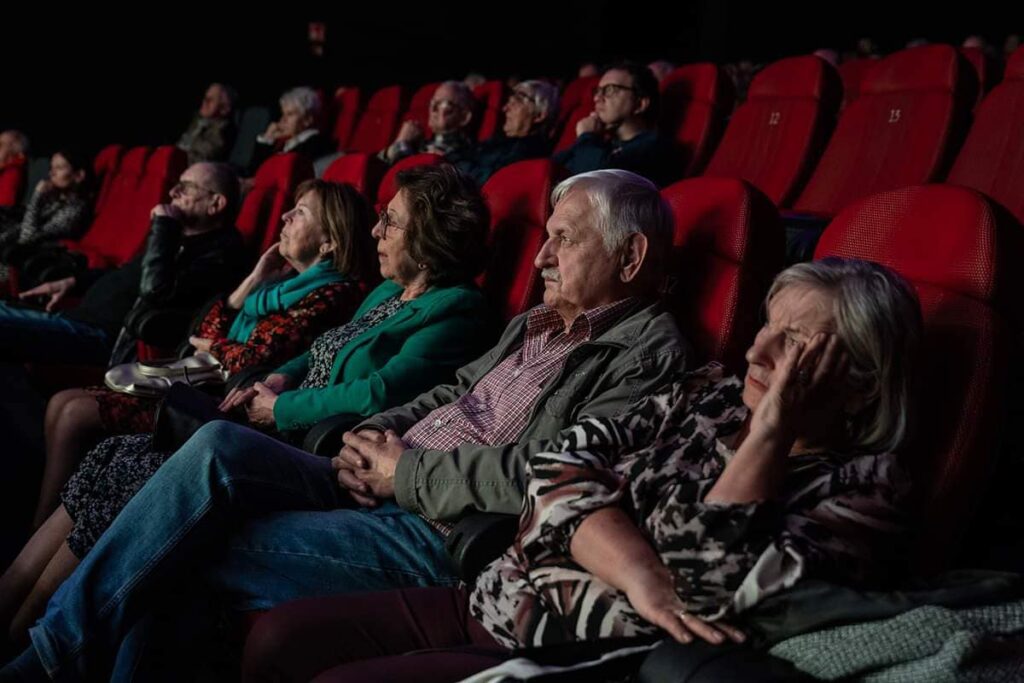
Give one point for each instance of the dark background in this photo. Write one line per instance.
(136, 76)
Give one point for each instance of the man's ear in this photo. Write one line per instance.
(218, 203)
(634, 251)
(642, 105)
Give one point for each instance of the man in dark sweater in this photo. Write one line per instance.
(622, 131)
(193, 251)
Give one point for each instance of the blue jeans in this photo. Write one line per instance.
(27, 334)
(224, 508)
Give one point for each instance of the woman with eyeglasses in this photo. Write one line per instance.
(410, 334)
(622, 131)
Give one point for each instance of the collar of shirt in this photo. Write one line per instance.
(544, 320)
(297, 140)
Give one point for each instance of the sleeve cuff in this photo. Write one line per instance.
(405, 480)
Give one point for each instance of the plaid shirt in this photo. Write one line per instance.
(496, 410)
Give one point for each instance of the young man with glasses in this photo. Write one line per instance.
(193, 251)
(622, 130)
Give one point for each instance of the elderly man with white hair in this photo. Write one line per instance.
(529, 112)
(264, 522)
(298, 129)
(451, 110)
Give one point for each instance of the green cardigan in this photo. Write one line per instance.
(417, 348)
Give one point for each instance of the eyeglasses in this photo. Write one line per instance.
(384, 218)
(521, 97)
(190, 188)
(610, 89)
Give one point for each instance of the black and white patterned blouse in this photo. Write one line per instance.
(328, 344)
(53, 215)
(839, 516)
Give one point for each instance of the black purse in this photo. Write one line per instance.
(184, 409)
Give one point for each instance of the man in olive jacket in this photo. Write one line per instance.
(598, 344)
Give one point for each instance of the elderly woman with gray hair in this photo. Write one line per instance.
(298, 129)
(526, 132)
(677, 516)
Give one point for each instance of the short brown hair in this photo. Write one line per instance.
(448, 222)
(345, 215)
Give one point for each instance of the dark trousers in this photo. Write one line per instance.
(365, 637)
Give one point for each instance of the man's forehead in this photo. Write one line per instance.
(574, 211)
(195, 173)
(617, 76)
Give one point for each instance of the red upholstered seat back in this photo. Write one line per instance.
(992, 158)
(568, 136)
(902, 130)
(578, 92)
(12, 181)
(272, 194)
(104, 168)
(728, 245)
(490, 97)
(345, 110)
(108, 222)
(143, 180)
(576, 103)
(953, 247)
(774, 138)
(361, 170)
(852, 73)
(379, 123)
(519, 197)
(695, 101)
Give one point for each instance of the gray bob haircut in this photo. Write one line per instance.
(625, 203)
(544, 97)
(878, 320)
(305, 99)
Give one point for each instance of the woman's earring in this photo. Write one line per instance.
(421, 266)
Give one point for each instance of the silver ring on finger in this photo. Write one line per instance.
(682, 614)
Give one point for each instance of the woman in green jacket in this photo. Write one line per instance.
(411, 333)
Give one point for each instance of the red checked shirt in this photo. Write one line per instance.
(495, 411)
